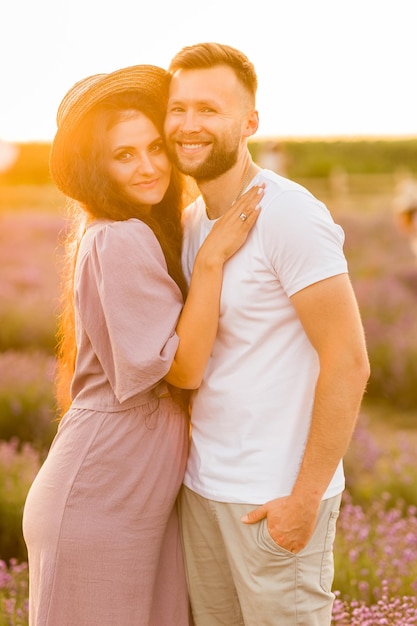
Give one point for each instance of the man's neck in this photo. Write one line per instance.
(220, 193)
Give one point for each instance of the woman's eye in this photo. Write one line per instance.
(123, 156)
(157, 147)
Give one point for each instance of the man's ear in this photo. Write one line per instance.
(252, 123)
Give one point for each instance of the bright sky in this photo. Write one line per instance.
(325, 67)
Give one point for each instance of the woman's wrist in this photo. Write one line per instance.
(209, 261)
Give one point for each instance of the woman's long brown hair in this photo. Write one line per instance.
(94, 196)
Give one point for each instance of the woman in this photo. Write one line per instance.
(100, 521)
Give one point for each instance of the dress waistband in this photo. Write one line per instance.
(159, 391)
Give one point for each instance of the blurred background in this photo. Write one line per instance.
(337, 103)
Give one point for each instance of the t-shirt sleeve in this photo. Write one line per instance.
(301, 240)
(129, 306)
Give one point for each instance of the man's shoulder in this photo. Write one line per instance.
(281, 184)
(193, 212)
(284, 200)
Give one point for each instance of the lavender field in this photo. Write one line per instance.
(376, 545)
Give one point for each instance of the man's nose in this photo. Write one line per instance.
(190, 122)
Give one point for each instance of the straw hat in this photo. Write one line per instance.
(150, 81)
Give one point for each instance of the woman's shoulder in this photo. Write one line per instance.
(120, 238)
(118, 227)
(109, 231)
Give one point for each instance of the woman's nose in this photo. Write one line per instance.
(145, 165)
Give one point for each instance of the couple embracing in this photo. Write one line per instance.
(236, 310)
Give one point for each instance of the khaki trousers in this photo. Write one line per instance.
(238, 576)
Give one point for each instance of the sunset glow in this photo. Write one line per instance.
(325, 68)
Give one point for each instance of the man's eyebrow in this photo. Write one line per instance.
(204, 102)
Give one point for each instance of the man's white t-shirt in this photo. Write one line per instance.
(251, 415)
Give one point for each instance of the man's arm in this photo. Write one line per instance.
(329, 314)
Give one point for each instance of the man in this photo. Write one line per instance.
(281, 393)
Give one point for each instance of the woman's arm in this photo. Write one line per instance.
(198, 322)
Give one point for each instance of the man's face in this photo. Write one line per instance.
(206, 121)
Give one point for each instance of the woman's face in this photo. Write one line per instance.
(136, 160)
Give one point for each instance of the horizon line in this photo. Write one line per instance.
(275, 137)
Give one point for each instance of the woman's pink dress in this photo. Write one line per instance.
(100, 519)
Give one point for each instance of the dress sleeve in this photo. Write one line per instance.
(129, 306)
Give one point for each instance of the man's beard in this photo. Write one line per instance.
(220, 160)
